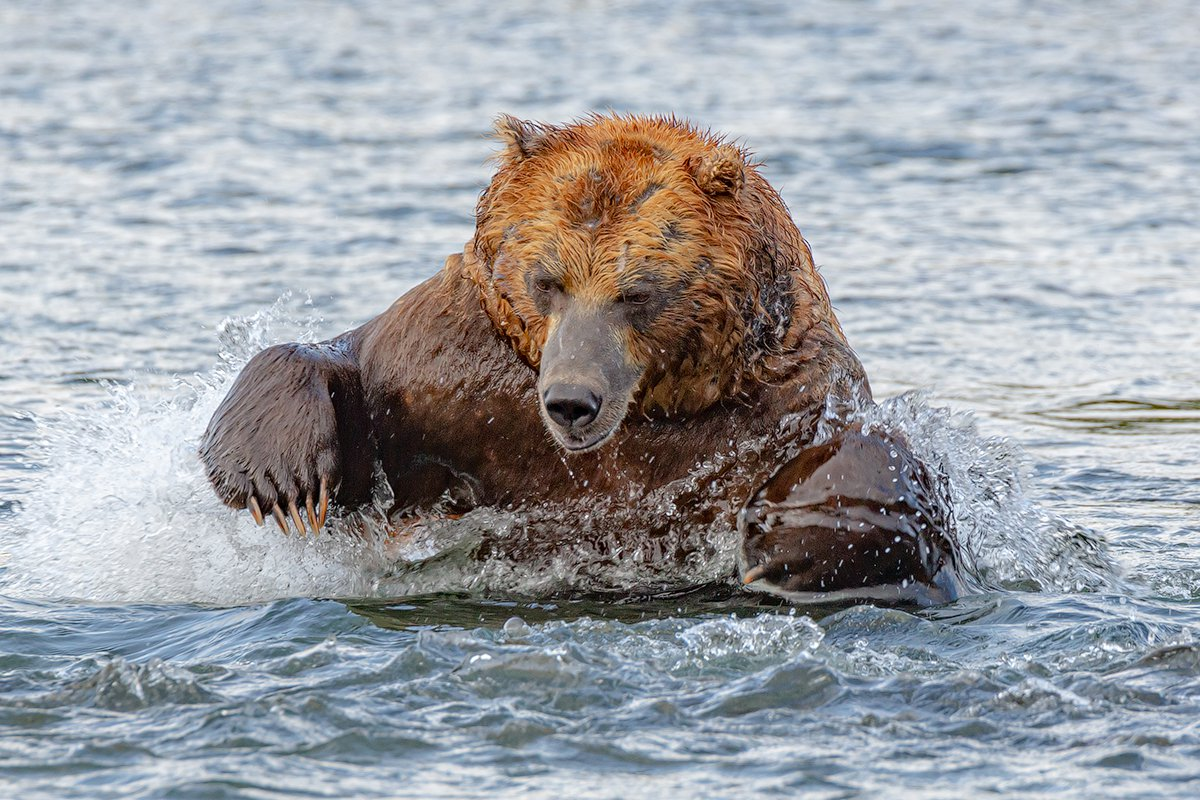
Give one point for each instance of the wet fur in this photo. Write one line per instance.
(614, 196)
(442, 388)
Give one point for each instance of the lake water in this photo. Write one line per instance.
(1004, 200)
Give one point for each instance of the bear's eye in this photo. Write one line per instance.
(637, 296)
(543, 285)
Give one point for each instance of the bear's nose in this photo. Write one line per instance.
(571, 405)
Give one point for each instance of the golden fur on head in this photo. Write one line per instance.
(610, 203)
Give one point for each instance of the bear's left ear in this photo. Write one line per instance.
(723, 171)
(521, 138)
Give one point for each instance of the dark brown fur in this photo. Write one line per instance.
(442, 388)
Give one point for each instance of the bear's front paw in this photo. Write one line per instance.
(274, 445)
(856, 516)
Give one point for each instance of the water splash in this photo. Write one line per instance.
(1006, 540)
(123, 512)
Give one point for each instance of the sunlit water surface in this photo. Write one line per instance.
(1004, 201)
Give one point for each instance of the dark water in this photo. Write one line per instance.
(1004, 200)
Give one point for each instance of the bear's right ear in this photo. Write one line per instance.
(722, 171)
(521, 138)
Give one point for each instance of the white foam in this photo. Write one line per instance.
(121, 510)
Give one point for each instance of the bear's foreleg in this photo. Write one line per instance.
(855, 517)
(292, 432)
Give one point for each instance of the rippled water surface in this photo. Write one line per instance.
(1003, 198)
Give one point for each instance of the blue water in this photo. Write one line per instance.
(1003, 199)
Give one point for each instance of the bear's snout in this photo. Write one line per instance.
(571, 405)
(585, 379)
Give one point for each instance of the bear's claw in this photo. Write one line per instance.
(296, 518)
(316, 512)
(281, 520)
(753, 574)
(255, 511)
(312, 515)
(324, 504)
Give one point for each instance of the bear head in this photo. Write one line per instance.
(639, 262)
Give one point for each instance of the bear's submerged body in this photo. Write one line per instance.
(605, 340)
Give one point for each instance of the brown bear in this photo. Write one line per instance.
(635, 303)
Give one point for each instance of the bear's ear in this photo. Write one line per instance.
(723, 171)
(521, 138)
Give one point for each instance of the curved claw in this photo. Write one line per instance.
(281, 520)
(312, 515)
(324, 504)
(296, 518)
(255, 511)
(753, 574)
